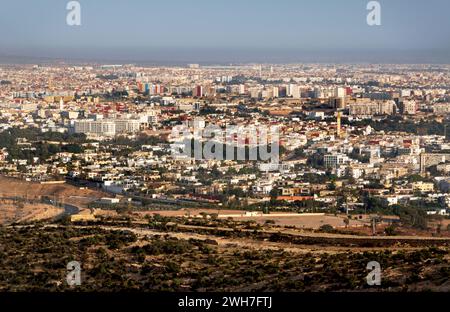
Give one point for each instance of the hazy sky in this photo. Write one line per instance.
(228, 30)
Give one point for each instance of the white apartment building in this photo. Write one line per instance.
(100, 127)
(334, 160)
(127, 125)
(372, 108)
(106, 127)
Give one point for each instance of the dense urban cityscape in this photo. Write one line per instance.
(364, 155)
(224, 155)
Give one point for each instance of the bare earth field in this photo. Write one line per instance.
(30, 191)
(190, 212)
(70, 194)
(12, 212)
(300, 221)
(307, 222)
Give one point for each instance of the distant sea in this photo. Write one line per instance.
(176, 57)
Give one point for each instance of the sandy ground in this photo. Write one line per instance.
(308, 222)
(300, 221)
(186, 212)
(12, 212)
(30, 191)
(62, 192)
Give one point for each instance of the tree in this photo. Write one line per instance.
(390, 230)
(327, 228)
(346, 222)
(274, 193)
(332, 186)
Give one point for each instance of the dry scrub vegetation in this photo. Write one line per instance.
(34, 258)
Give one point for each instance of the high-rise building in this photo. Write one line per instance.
(340, 92)
(372, 108)
(198, 91)
(318, 93)
(407, 107)
(255, 93)
(294, 91)
(242, 89)
(100, 127)
(276, 92)
(107, 127)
